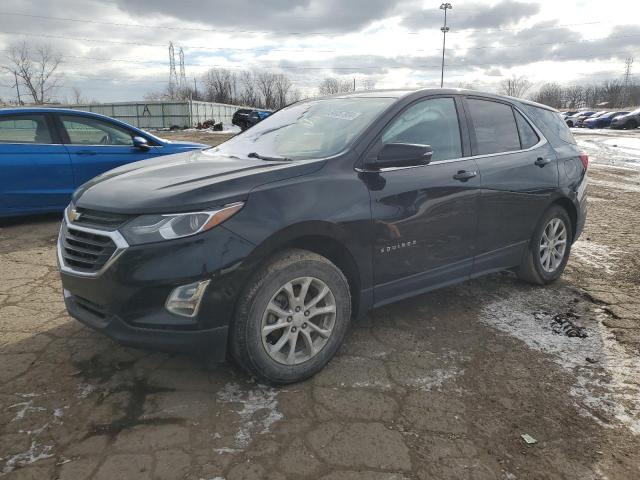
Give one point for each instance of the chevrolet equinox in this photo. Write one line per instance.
(270, 243)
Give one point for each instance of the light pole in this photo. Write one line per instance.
(444, 30)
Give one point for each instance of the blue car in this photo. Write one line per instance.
(602, 121)
(46, 153)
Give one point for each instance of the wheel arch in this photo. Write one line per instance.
(571, 210)
(326, 239)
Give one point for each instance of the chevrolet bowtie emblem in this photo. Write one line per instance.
(74, 215)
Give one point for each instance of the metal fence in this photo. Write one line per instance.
(154, 115)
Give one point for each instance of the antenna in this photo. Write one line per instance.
(173, 76)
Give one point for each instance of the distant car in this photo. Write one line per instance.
(568, 113)
(580, 120)
(630, 120)
(46, 153)
(247, 117)
(572, 120)
(602, 121)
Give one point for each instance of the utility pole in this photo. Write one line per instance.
(444, 30)
(15, 76)
(627, 80)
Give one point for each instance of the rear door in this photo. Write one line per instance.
(96, 146)
(424, 217)
(519, 175)
(35, 168)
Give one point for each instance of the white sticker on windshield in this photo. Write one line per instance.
(343, 115)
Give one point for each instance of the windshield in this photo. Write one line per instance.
(307, 130)
(635, 112)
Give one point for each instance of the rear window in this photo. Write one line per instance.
(494, 125)
(24, 129)
(550, 124)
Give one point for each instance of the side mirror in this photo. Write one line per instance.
(394, 155)
(141, 143)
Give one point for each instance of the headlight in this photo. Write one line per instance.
(155, 228)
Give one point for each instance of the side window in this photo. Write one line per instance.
(24, 129)
(528, 136)
(430, 122)
(550, 124)
(494, 126)
(90, 131)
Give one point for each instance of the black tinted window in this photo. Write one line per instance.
(495, 127)
(550, 124)
(528, 136)
(24, 129)
(430, 122)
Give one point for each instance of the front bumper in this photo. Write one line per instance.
(126, 300)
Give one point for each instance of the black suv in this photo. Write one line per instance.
(269, 244)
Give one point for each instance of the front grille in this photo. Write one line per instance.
(95, 218)
(83, 251)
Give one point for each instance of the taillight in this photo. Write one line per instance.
(585, 159)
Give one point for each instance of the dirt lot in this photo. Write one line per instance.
(440, 386)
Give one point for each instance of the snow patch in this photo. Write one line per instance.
(36, 452)
(595, 255)
(258, 413)
(609, 388)
(23, 408)
(85, 389)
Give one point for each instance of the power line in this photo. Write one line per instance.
(303, 49)
(435, 15)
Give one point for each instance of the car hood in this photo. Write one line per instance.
(183, 182)
(180, 144)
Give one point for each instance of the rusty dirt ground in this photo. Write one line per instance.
(441, 386)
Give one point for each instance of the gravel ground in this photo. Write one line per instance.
(439, 386)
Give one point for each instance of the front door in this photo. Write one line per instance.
(424, 217)
(35, 170)
(96, 146)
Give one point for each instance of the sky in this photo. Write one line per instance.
(117, 50)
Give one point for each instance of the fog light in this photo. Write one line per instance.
(185, 300)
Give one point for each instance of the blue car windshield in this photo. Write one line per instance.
(306, 130)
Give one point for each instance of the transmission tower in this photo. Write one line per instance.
(173, 76)
(627, 79)
(183, 78)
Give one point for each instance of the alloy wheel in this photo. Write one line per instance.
(553, 245)
(298, 320)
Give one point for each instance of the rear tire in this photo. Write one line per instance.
(291, 318)
(548, 251)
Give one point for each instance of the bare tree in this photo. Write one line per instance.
(35, 69)
(550, 94)
(332, 86)
(283, 87)
(76, 96)
(574, 96)
(266, 85)
(220, 85)
(515, 86)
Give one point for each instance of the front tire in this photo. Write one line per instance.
(549, 248)
(291, 318)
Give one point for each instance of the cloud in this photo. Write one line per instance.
(504, 13)
(302, 16)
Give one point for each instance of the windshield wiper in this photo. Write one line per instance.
(268, 159)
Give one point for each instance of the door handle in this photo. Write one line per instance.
(85, 152)
(541, 162)
(464, 175)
